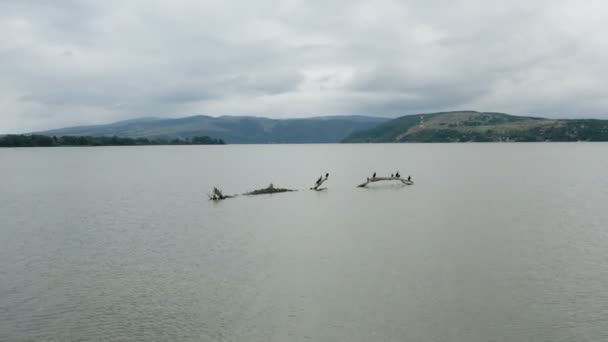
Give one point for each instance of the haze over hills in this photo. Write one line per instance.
(465, 126)
(232, 129)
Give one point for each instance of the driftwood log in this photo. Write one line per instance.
(268, 190)
(217, 195)
(317, 186)
(379, 179)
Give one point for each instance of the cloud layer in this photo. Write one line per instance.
(71, 62)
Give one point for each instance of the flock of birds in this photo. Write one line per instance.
(397, 175)
(217, 194)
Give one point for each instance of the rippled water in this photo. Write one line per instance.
(494, 242)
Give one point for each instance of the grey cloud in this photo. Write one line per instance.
(78, 62)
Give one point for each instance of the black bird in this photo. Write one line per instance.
(397, 174)
(374, 175)
(391, 175)
(327, 175)
(409, 178)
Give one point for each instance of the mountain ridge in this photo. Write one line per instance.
(451, 126)
(232, 129)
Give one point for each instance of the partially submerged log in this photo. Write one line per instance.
(217, 195)
(268, 190)
(379, 179)
(319, 182)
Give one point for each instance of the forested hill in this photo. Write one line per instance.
(469, 126)
(231, 129)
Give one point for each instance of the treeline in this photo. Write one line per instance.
(35, 140)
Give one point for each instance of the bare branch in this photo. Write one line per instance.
(217, 195)
(379, 179)
(319, 183)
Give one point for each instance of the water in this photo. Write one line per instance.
(494, 242)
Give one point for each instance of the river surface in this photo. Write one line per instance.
(493, 242)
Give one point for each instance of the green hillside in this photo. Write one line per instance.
(468, 126)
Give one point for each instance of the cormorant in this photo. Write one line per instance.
(374, 175)
(397, 174)
(327, 175)
(409, 178)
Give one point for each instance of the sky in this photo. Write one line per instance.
(78, 62)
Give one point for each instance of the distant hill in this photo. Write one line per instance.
(231, 129)
(465, 126)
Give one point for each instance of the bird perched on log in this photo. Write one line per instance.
(397, 174)
(391, 175)
(327, 175)
(374, 175)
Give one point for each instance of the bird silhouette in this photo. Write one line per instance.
(327, 175)
(374, 175)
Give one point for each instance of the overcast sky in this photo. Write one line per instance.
(71, 62)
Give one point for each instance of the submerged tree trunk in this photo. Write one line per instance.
(217, 195)
(268, 190)
(379, 179)
(317, 186)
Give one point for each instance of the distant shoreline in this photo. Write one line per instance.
(37, 140)
(339, 143)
